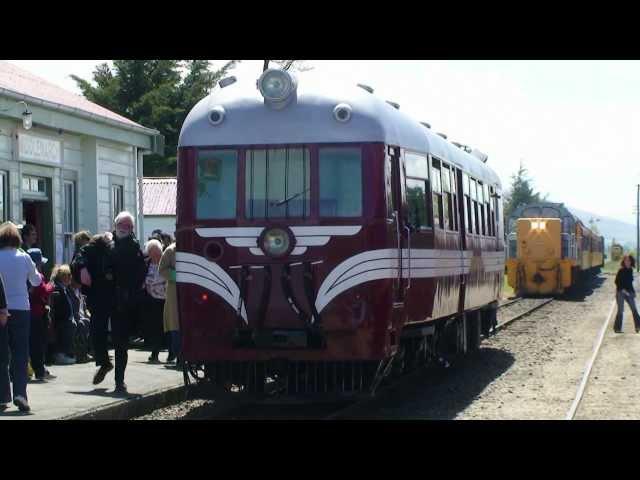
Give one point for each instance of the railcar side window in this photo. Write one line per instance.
(416, 166)
(482, 217)
(340, 182)
(417, 188)
(417, 203)
(217, 183)
(277, 183)
(436, 188)
(454, 199)
(476, 213)
(449, 210)
(467, 203)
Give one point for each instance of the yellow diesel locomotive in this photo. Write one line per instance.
(550, 250)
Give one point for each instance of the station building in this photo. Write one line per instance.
(159, 204)
(66, 164)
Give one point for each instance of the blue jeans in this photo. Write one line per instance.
(14, 337)
(621, 298)
(174, 343)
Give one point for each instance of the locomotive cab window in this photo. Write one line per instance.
(417, 183)
(216, 184)
(340, 182)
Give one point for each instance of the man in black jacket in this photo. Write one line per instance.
(93, 267)
(130, 270)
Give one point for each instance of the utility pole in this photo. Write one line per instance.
(638, 230)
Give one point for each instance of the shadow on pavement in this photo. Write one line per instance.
(105, 392)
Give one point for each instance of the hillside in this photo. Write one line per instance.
(624, 233)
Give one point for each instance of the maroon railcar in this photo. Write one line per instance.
(325, 239)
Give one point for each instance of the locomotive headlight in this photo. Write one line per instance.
(276, 242)
(276, 85)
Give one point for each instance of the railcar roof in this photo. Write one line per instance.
(309, 119)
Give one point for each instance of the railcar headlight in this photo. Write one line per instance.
(276, 85)
(276, 242)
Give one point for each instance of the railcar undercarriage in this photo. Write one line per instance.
(419, 345)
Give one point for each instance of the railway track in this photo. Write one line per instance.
(536, 304)
(573, 410)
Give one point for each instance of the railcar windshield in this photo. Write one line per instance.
(217, 173)
(278, 182)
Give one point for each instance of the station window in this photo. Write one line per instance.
(436, 188)
(340, 182)
(277, 183)
(4, 196)
(69, 218)
(117, 199)
(417, 183)
(217, 174)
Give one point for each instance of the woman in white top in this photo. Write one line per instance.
(155, 286)
(16, 268)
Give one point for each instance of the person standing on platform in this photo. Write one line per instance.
(16, 269)
(155, 286)
(29, 236)
(39, 300)
(170, 316)
(626, 293)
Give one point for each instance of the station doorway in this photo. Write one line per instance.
(39, 214)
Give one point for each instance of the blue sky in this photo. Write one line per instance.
(572, 123)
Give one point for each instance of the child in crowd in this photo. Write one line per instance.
(63, 319)
(39, 302)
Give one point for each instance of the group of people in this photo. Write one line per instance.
(111, 287)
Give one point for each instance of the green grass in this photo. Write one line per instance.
(611, 267)
(507, 291)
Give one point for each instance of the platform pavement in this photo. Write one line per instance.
(73, 394)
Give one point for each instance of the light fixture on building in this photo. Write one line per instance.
(27, 117)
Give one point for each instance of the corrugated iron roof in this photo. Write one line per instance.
(159, 195)
(25, 83)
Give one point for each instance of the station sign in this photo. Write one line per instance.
(39, 149)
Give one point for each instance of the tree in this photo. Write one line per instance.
(156, 94)
(521, 192)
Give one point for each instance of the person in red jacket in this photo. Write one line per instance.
(39, 301)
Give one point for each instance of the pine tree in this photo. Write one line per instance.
(521, 192)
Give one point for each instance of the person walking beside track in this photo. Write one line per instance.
(16, 268)
(626, 293)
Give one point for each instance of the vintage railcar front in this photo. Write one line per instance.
(280, 188)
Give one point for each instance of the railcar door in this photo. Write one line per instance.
(396, 222)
